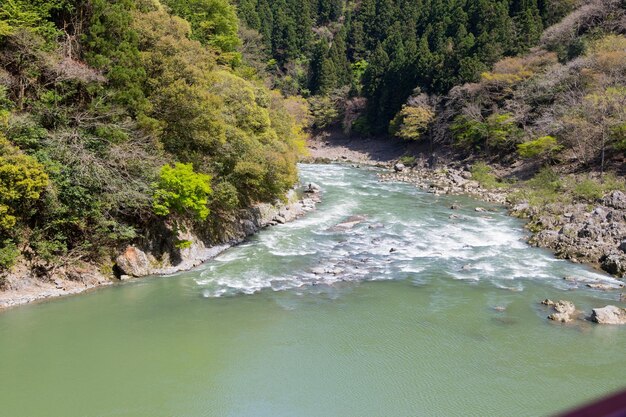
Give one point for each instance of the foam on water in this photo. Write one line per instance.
(406, 234)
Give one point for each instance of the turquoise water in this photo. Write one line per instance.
(310, 320)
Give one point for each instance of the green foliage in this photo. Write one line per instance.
(105, 93)
(411, 122)
(407, 160)
(181, 190)
(496, 132)
(545, 146)
(324, 111)
(481, 172)
(213, 21)
(384, 49)
(588, 190)
(8, 255)
(591, 190)
(22, 181)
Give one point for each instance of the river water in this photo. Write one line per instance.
(307, 319)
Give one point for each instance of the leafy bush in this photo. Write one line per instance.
(8, 255)
(481, 172)
(411, 122)
(407, 160)
(497, 131)
(182, 191)
(592, 189)
(588, 190)
(543, 146)
(22, 181)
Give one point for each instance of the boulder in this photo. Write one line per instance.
(399, 167)
(614, 264)
(133, 262)
(615, 199)
(248, 227)
(312, 188)
(609, 315)
(563, 310)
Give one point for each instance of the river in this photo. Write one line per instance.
(395, 316)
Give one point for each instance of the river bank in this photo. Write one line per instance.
(150, 258)
(593, 234)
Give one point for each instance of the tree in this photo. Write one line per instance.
(411, 122)
(180, 190)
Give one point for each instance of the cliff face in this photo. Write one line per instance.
(159, 255)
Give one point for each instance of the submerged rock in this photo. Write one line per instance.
(603, 287)
(349, 223)
(609, 315)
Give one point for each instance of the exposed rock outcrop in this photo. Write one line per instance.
(564, 311)
(609, 315)
(160, 254)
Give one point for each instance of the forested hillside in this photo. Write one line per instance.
(385, 49)
(116, 116)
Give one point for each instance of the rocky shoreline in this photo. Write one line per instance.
(582, 233)
(137, 261)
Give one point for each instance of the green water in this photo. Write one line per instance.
(255, 332)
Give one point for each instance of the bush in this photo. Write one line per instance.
(481, 172)
(591, 189)
(411, 122)
(22, 181)
(498, 131)
(543, 146)
(182, 191)
(588, 190)
(8, 255)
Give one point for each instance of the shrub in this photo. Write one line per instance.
(498, 131)
(182, 191)
(588, 190)
(481, 172)
(22, 181)
(411, 122)
(8, 255)
(543, 146)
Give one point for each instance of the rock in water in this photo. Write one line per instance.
(312, 188)
(348, 223)
(564, 310)
(609, 315)
(399, 167)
